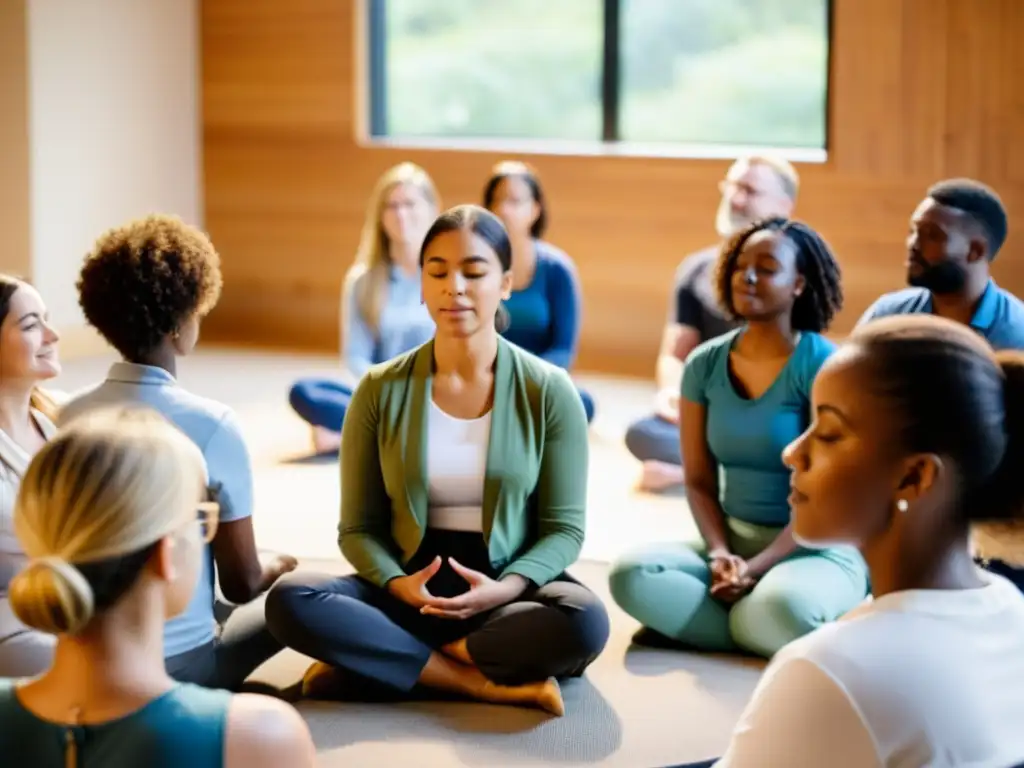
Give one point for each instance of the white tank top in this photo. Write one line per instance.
(456, 466)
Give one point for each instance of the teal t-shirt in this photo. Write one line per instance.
(184, 727)
(747, 437)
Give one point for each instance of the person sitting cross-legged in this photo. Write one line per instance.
(463, 494)
(747, 584)
(917, 437)
(146, 287)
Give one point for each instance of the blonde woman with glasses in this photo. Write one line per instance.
(110, 513)
(382, 311)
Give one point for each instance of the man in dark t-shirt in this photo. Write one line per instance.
(694, 304)
(754, 188)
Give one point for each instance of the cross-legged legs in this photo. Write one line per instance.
(655, 442)
(322, 404)
(666, 589)
(243, 645)
(509, 655)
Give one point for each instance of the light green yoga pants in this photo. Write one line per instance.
(665, 587)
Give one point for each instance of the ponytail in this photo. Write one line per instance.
(998, 532)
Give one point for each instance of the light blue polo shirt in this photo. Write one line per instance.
(999, 316)
(215, 429)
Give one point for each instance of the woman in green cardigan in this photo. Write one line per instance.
(463, 488)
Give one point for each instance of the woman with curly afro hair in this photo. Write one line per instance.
(146, 286)
(745, 395)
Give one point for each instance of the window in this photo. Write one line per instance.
(695, 72)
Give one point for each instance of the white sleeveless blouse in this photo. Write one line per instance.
(14, 460)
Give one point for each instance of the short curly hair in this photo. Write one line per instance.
(822, 296)
(143, 280)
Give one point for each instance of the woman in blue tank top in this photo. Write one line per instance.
(110, 517)
(745, 396)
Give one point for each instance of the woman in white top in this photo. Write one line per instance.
(918, 435)
(28, 356)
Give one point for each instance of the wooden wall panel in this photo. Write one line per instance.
(15, 194)
(920, 90)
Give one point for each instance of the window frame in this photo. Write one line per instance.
(374, 128)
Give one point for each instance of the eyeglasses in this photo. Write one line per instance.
(208, 515)
(729, 187)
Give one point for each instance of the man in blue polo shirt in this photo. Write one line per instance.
(955, 233)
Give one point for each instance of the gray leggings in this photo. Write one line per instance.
(243, 645)
(654, 439)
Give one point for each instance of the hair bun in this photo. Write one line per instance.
(51, 595)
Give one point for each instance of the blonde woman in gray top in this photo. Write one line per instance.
(382, 311)
(28, 356)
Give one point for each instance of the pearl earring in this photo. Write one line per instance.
(902, 505)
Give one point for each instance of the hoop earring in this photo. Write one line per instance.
(902, 505)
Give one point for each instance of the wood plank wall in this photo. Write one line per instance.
(920, 90)
(15, 192)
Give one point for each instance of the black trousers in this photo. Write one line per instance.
(555, 630)
(243, 644)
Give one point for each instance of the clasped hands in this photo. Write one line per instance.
(731, 578)
(484, 593)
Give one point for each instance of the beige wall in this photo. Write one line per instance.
(114, 128)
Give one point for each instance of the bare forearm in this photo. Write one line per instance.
(241, 588)
(669, 373)
(241, 583)
(514, 584)
(782, 547)
(707, 514)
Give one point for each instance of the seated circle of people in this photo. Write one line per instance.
(545, 305)
(28, 358)
(463, 494)
(754, 188)
(382, 314)
(747, 585)
(145, 287)
(113, 518)
(918, 435)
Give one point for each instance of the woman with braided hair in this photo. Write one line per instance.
(745, 395)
